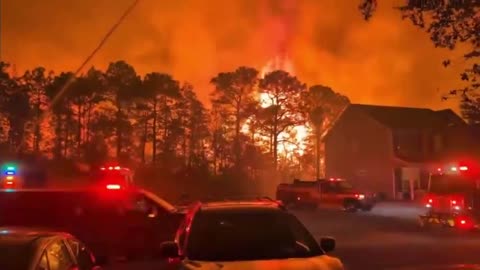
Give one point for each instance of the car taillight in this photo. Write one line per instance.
(113, 186)
(428, 202)
(360, 196)
(464, 222)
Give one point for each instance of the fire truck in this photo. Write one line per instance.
(453, 197)
(332, 192)
(113, 177)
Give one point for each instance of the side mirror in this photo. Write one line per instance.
(327, 244)
(169, 250)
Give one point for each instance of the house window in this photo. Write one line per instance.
(408, 143)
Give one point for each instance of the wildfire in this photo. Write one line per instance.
(289, 145)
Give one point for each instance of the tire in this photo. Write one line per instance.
(423, 223)
(367, 208)
(350, 206)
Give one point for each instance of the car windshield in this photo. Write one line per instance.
(452, 184)
(343, 185)
(14, 256)
(247, 236)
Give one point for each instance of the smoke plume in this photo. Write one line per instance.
(385, 61)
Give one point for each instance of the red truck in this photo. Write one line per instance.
(334, 192)
(453, 197)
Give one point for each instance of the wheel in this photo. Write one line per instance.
(367, 208)
(423, 223)
(350, 206)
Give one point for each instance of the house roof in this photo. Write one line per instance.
(405, 117)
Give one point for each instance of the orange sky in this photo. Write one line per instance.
(385, 61)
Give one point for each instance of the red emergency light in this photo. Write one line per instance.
(463, 168)
(113, 187)
(112, 168)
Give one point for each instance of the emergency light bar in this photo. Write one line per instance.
(455, 169)
(113, 187)
(111, 168)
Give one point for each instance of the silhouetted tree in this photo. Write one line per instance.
(35, 82)
(470, 109)
(158, 92)
(123, 84)
(284, 92)
(234, 94)
(194, 120)
(322, 106)
(62, 114)
(86, 92)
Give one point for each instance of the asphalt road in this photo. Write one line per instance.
(386, 238)
(389, 238)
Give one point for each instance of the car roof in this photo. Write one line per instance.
(27, 236)
(241, 205)
(128, 192)
(29, 231)
(71, 190)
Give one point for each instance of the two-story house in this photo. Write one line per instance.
(391, 150)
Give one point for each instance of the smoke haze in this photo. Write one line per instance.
(385, 61)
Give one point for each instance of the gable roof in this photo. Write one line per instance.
(405, 117)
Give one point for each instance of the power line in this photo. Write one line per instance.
(72, 78)
(94, 52)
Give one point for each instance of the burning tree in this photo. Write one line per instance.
(284, 92)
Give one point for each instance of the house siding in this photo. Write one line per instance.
(360, 149)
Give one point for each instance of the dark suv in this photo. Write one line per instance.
(113, 223)
(246, 235)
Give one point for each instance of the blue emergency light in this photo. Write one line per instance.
(10, 170)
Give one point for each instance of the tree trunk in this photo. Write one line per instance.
(79, 126)
(87, 124)
(317, 151)
(118, 132)
(215, 152)
(144, 140)
(154, 132)
(166, 143)
(275, 147)
(236, 145)
(58, 138)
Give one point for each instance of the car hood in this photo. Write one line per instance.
(316, 263)
(441, 267)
